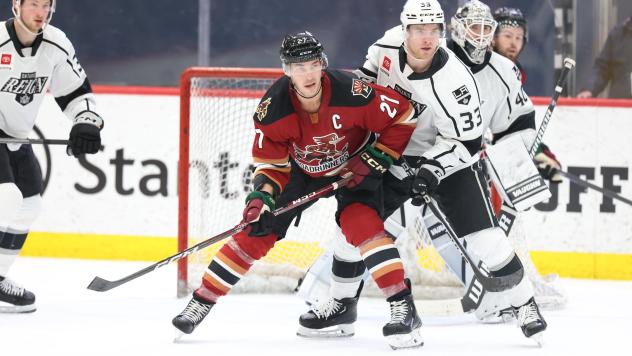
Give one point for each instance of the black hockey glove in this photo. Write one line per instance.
(85, 135)
(548, 165)
(425, 183)
(368, 167)
(258, 213)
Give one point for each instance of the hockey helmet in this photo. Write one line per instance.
(417, 12)
(475, 41)
(301, 47)
(511, 17)
(16, 12)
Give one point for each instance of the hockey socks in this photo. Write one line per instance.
(364, 229)
(11, 242)
(230, 264)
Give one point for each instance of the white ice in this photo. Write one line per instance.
(135, 319)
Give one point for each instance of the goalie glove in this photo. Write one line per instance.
(548, 165)
(368, 167)
(257, 212)
(85, 134)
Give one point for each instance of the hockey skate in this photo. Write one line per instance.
(19, 300)
(531, 321)
(403, 331)
(334, 318)
(191, 317)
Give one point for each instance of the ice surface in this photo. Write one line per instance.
(135, 319)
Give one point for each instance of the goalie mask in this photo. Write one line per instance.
(473, 28)
(16, 8)
(301, 47)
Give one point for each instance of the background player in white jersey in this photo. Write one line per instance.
(448, 134)
(510, 38)
(35, 58)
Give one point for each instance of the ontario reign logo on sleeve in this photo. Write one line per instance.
(462, 95)
(25, 87)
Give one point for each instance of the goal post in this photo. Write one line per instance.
(196, 82)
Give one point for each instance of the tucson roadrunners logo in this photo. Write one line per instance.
(25, 87)
(323, 155)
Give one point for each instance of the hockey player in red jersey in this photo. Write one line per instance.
(311, 126)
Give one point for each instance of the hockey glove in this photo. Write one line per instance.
(259, 205)
(367, 168)
(548, 165)
(85, 135)
(425, 182)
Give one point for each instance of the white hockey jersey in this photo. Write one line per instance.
(445, 97)
(506, 108)
(26, 74)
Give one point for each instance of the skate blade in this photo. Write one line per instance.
(406, 341)
(16, 309)
(342, 330)
(538, 338)
(178, 335)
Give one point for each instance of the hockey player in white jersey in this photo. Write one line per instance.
(449, 133)
(35, 57)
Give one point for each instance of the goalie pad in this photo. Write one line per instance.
(321, 282)
(514, 174)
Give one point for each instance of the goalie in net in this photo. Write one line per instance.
(310, 126)
(472, 30)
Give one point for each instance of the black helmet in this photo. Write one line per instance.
(511, 17)
(301, 47)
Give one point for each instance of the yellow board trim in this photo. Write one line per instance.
(148, 248)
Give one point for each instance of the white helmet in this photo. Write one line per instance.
(474, 43)
(417, 12)
(16, 13)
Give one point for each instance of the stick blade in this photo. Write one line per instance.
(101, 285)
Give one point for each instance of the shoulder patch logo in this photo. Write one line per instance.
(462, 95)
(386, 63)
(262, 109)
(360, 88)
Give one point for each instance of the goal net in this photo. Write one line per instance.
(216, 133)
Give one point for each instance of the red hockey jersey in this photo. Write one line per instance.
(350, 114)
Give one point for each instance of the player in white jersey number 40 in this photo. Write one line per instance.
(35, 57)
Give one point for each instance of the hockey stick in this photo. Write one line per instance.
(507, 213)
(609, 193)
(37, 141)
(101, 285)
(559, 86)
(29, 141)
(492, 284)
